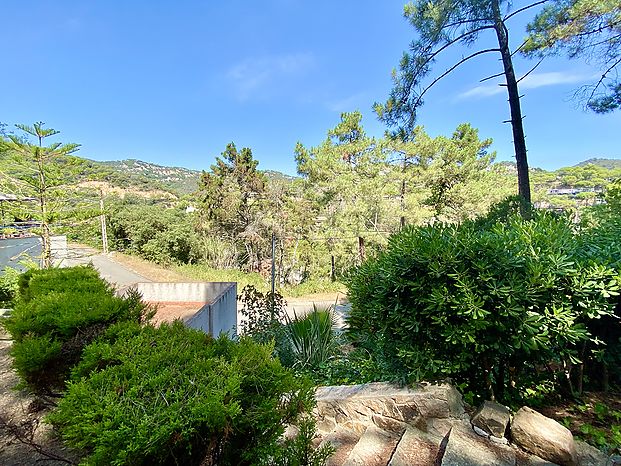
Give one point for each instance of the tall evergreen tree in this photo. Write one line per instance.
(440, 25)
(231, 195)
(41, 172)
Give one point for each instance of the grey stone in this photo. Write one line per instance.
(543, 437)
(614, 460)
(492, 417)
(501, 440)
(479, 431)
(465, 448)
(589, 455)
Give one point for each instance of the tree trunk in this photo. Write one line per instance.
(46, 247)
(402, 200)
(519, 141)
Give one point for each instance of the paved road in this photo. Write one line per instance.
(109, 270)
(121, 277)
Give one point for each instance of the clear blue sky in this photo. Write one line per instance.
(173, 82)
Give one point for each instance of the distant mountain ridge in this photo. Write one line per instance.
(177, 180)
(182, 181)
(604, 163)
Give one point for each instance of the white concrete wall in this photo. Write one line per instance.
(218, 317)
(219, 313)
(206, 292)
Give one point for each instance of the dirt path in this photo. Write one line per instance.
(17, 409)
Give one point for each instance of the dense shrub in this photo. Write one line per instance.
(173, 395)
(263, 317)
(58, 312)
(155, 233)
(493, 305)
(8, 286)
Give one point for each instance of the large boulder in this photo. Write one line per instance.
(588, 455)
(543, 437)
(465, 448)
(492, 417)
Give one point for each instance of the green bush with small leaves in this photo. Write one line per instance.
(8, 286)
(174, 395)
(58, 312)
(497, 306)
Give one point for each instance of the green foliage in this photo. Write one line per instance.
(58, 312)
(157, 234)
(299, 450)
(175, 395)
(232, 202)
(262, 320)
(312, 338)
(8, 285)
(209, 274)
(583, 28)
(488, 305)
(604, 428)
(39, 171)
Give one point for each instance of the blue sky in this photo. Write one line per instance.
(173, 82)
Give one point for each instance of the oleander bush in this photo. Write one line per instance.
(498, 306)
(174, 395)
(57, 313)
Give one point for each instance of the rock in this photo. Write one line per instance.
(416, 448)
(501, 440)
(589, 455)
(357, 406)
(526, 459)
(440, 427)
(479, 431)
(343, 441)
(465, 448)
(374, 448)
(543, 437)
(492, 417)
(614, 460)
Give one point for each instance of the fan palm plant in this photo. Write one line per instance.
(312, 337)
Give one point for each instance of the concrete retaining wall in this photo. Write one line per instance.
(216, 303)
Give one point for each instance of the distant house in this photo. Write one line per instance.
(572, 191)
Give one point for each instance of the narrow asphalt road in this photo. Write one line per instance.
(121, 277)
(111, 271)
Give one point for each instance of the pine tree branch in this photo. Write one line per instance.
(452, 42)
(497, 75)
(452, 68)
(532, 5)
(530, 71)
(601, 80)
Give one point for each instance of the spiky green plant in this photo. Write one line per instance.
(312, 337)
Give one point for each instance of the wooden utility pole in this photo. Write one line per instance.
(102, 220)
(273, 271)
(361, 249)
